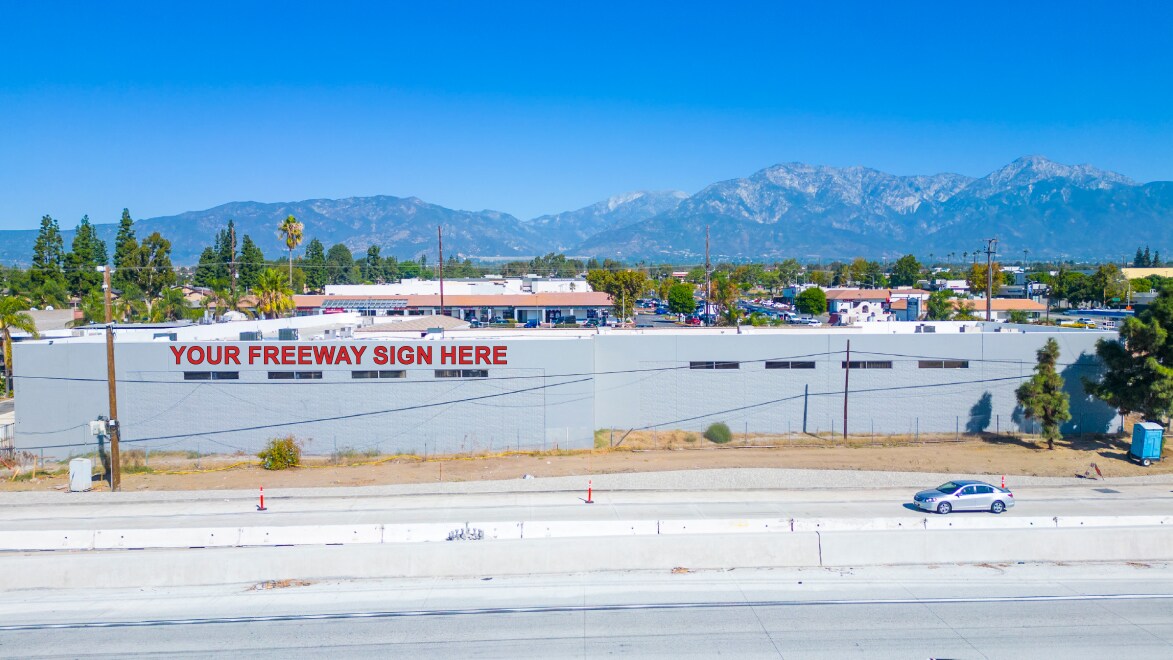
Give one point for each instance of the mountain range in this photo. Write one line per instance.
(786, 210)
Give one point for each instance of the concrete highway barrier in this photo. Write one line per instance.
(995, 546)
(487, 558)
(393, 533)
(161, 568)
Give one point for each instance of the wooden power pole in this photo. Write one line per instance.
(708, 277)
(232, 260)
(991, 248)
(846, 382)
(440, 237)
(112, 425)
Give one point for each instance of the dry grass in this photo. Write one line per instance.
(638, 451)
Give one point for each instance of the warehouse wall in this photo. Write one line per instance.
(663, 391)
(553, 391)
(516, 406)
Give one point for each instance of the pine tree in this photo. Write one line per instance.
(1138, 260)
(252, 263)
(391, 269)
(48, 255)
(154, 271)
(1148, 260)
(315, 265)
(226, 252)
(1042, 397)
(205, 273)
(1156, 259)
(372, 266)
(339, 262)
(125, 252)
(86, 254)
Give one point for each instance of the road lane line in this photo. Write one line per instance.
(576, 608)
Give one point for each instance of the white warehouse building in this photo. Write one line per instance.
(204, 388)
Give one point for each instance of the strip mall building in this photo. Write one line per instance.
(362, 386)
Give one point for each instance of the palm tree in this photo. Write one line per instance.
(171, 306)
(274, 297)
(725, 295)
(128, 307)
(93, 309)
(13, 316)
(291, 230)
(221, 301)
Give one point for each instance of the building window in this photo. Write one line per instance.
(462, 373)
(789, 365)
(379, 374)
(943, 364)
(211, 375)
(884, 364)
(714, 365)
(295, 375)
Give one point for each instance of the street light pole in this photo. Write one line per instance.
(112, 423)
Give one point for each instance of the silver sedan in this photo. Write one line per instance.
(964, 495)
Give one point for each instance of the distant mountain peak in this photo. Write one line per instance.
(616, 201)
(785, 210)
(1028, 170)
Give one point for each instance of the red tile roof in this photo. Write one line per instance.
(872, 294)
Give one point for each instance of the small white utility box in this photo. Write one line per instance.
(81, 472)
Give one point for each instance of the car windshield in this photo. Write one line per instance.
(948, 487)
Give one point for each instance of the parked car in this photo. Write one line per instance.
(475, 324)
(964, 495)
(590, 323)
(532, 323)
(661, 310)
(692, 320)
(497, 320)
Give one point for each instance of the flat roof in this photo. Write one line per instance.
(565, 299)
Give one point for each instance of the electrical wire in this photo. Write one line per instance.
(333, 418)
(826, 393)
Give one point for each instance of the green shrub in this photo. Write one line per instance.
(281, 453)
(719, 433)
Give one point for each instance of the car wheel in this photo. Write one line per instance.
(1146, 462)
(944, 507)
(998, 507)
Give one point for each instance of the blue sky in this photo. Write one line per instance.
(534, 108)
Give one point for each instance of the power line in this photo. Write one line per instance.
(726, 411)
(261, 427)
(827, 393)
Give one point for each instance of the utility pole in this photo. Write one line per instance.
(232, 259)
(991, 248)
(708, 277)
(846, 382)
(440, 237)
(112, 424)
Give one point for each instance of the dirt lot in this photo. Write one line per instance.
(636, 453)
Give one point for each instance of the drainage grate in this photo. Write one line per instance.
(1105, 490)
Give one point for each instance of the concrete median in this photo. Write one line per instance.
(964, 546)
(464, 558)
(162, 568)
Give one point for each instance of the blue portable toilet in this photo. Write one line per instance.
(1148, 440)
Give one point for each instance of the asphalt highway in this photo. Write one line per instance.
(75, 512)
(1015, 611)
